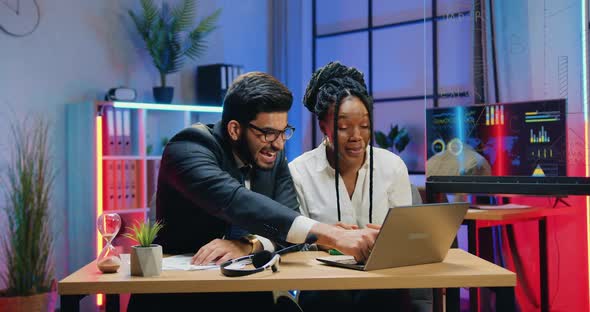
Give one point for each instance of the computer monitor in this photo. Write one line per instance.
(516, 139)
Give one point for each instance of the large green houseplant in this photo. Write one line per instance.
(26, 234)
(170, 38)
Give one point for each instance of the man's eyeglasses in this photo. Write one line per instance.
(271, 135)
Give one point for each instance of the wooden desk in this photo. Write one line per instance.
(511, 215)
(437, 186)
(476, 219)
(297, 271)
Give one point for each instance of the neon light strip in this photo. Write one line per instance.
(540, 116)
(170, 107)
(537, 112)
(585, 109)
(541, 120)
(99, 297)
(460, 135)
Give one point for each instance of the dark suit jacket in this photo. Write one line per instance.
(199, 193)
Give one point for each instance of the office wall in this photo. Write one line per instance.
(83, 48)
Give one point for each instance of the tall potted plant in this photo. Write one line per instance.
(146, 258)
(170, 38)
(26, 237)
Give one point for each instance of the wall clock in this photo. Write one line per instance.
(19, 18)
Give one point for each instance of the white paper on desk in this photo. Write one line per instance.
(505, 206)
(183, 262)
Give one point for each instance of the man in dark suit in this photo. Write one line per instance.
(233, 177)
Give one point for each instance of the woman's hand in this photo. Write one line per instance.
(347, 226)
(374, 226)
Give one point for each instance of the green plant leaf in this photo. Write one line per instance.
(144, 233)
(198, 45)
(393, 131)
(150, 12)
(207, 24)
(184, 15)
(27, 185)
(139, 23)
(168, 36)
(381, 140)
(402, 140)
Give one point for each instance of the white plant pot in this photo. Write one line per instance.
(146, 261)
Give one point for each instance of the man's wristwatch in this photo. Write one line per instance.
(250, 239)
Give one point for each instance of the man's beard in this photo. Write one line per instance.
(243, 150)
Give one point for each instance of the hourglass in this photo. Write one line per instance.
(108, 260)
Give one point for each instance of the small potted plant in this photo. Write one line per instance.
(170, 38)
(146, 258)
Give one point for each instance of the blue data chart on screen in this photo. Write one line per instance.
(523, 139)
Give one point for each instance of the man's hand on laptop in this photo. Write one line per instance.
(357, 243)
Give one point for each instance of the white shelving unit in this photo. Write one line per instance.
(149, 126)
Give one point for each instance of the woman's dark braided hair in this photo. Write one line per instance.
(329, 86)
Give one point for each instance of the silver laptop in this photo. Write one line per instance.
(410, 235)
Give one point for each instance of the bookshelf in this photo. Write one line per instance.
(112, 154)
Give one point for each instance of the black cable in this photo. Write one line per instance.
(371, 167)
(434, 24)
(558, 257)
(499, 238)
(336, 158)
(518, 266)
(12, 34)
(494, 63)
(314, 120)
(370, 92)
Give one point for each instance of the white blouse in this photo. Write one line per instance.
(316, 191)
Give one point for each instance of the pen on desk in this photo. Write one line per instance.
(335, 252)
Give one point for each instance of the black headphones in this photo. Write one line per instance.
(261, 260)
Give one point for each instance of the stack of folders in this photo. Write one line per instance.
(120, 184)
(120, 175)
(214, 80)
(117, 136)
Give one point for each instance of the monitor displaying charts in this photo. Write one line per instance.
(517, 139)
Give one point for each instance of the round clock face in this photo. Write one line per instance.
(19, 18)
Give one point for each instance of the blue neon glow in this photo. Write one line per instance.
(460, 134)
(170, 107)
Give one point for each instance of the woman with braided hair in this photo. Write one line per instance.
(345, 180)
(371, 180)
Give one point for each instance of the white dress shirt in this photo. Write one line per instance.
(316, 191)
